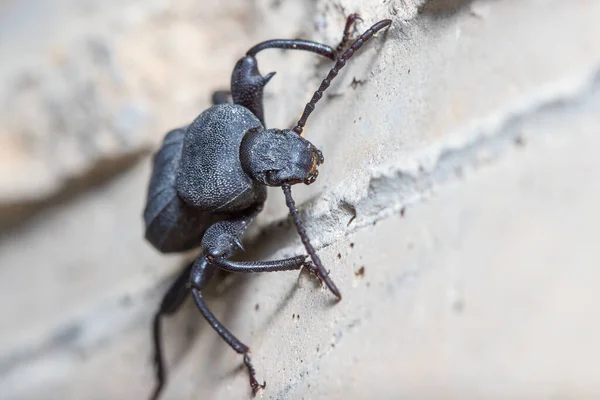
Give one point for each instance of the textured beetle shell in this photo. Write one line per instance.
(210, 176)
(171, 225)
(197, 179)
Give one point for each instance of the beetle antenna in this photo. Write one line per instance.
(339, 64)
(322, 273)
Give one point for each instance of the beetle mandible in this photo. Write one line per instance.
(209, 182)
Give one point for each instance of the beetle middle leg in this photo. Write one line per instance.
(220, 97)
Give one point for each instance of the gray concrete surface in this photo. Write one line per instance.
(461, 175)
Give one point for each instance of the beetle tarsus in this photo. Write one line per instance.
(352, 18)
(252, 375)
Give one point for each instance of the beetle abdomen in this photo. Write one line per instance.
(171, 225)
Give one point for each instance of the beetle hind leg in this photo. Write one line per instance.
(169, 305)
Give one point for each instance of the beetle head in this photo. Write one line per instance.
(273, 157)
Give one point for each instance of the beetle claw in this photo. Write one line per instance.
(256, 387)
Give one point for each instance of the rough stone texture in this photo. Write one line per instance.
(461, 174)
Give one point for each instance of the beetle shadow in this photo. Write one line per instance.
(443, 8)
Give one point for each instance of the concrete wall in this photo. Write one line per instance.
(457, 209)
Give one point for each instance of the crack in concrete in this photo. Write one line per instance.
(393, 187)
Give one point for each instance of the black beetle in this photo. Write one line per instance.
(209, 181)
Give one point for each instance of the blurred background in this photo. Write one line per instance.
(458, 206)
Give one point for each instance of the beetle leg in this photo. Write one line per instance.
(286, 264)
(294, 44)
(198, 278)
(220, 97)
(307, 45)
(247, 85)
(352, 18)
(223, 238)
(169, 305)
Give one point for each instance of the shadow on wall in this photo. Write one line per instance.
(443, 8)
(103, 172)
